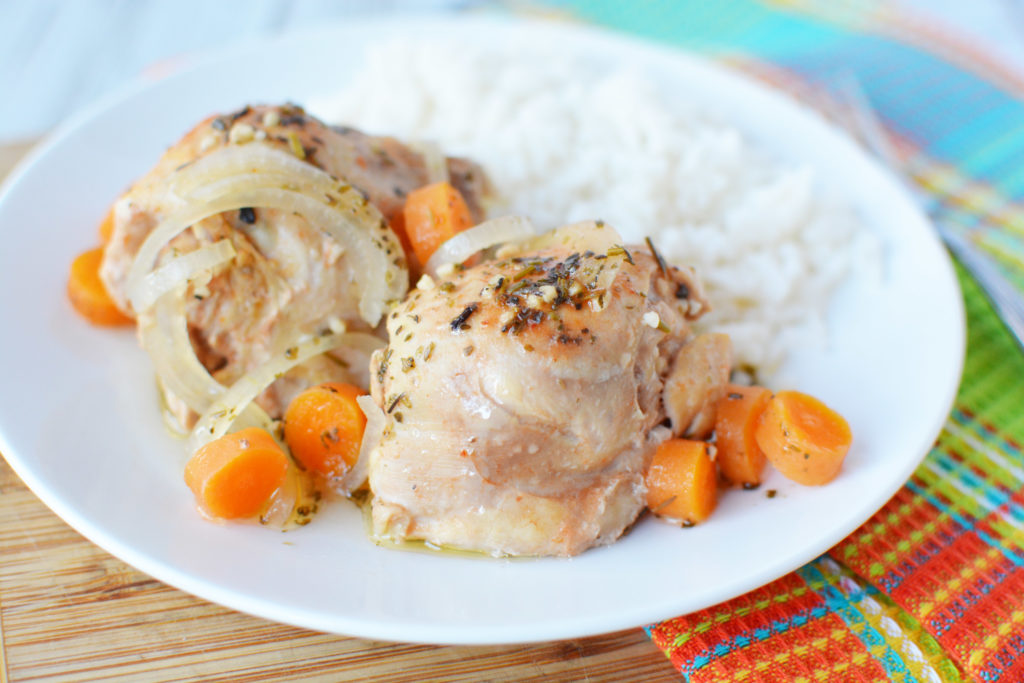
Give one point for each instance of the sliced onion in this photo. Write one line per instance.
(260, 175)
(180, 269)
(218, 418)
(297, 490)
(434, 160)
(379, 278)
(596, 236)
(487, 234)
(164, 334)
(355, 356)
(254, 158)
(284, 500)
(363, 342)
(163, 327)
(356, 477)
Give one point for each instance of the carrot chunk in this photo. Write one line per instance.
(803, 438)
(740, 459)
(323, 427)
(88, 295)
(398, 227)
(432, 215)
(681, 481)
(233, 477)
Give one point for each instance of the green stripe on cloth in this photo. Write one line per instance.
(932, 586)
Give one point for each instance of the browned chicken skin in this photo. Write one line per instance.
(521, 414)
(286, 278)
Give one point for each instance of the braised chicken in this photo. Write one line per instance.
(286, 278)
(524, 397)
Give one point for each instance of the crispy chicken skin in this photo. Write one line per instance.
(286, 278)
(520, 418)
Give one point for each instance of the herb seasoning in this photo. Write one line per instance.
(459, 323)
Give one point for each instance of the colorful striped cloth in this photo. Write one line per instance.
(931, 588)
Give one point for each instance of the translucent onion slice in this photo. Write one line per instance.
(284, 500)
(253, 158)
(163, 327)
(296, 493)
(181, 269)
(355, 357)
(164, 334)
(380, 279)
(363, 342)
(356, 477)
(487, 234)
(218, 418)
(434, 160)
(597, 236)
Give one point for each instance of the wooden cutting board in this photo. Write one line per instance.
(71, 612)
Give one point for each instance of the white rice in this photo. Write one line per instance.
(563, 144)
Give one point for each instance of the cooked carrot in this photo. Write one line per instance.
(411, 261)
(87, 293)
(681, 481)
(432, 215)
(233, 477)
(106, 228)
(740, 459)
(803, 438)
(323, 427)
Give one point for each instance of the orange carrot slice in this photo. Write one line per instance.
(412, 263)
(803, 438)
(432, 215)
(88, 294)
(233, 477)
(323, 427)
(740, 459)
(681, 481)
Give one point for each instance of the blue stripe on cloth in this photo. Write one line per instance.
(747, 637)
(984, 491)
(968, 524)
(994, 439)
(856, 622)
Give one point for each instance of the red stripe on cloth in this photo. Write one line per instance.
(988, 630)
(821, 649)
(906, 533)
(709, 627)
(948, 582)
(778, 632)
(981, 626)
(965, 590)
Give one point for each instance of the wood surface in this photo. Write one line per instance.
(69, 611)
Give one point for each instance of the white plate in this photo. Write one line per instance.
(79, 419)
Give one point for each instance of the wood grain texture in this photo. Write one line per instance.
(71, 612)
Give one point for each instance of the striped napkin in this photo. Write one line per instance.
(931, 588)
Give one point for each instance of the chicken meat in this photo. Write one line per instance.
(286, 278)
(523, 397)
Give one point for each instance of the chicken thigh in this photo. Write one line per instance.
(286, 278)
(523, 397)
